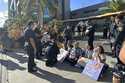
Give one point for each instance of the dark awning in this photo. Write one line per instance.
(95, 17)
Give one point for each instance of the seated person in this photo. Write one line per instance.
(100, 57)
(70, 48)
(60, 37)
(74, 54)
(52, 52)
(88, 52)
(97, 55)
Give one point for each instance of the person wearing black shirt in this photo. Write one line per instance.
(30, 43)
(52, 51)
(90, 33)
(39, 44)
(120, 66)
(67, 37)
(113, 32)
(105, 30)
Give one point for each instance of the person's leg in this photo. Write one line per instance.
(72, 62)
(90, 42)
(105, 68)
(106, 34)
(31, 63)
(65, 44)
(51, 62)
(39, 53)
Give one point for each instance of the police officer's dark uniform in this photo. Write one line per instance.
(119, 68)
(29, 33)
(67, 37)
(90, 35)
(39, 44)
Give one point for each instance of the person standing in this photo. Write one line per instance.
(106, 29)
(90, 33)
(120, 34)
(80, 28)
(39, 44)
(113, 32)
(67, 37)
(119, 50)
(30, 43)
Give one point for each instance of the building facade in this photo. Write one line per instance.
(12, 8)
(88, 11)
(65, 9)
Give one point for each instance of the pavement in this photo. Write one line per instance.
(15, 64)
(3, 68)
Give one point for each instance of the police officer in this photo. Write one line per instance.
(30, 43)
(119, 68)
(90, 32)
(67, 37)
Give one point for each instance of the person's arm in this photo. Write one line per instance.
(122, 53)
(32, 42)
(120, 38)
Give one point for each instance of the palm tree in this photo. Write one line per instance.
(37, 7)
(52, 6)
(34, 9)
(117, 5)
(113, 6)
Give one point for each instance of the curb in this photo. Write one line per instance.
(3, 68)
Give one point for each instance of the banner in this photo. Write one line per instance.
(93, 69)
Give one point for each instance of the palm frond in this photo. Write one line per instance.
(117, 5)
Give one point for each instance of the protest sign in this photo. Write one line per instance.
(93, 69)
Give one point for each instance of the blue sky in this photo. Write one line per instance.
(3, 11)
(3, 5)
(76, 4)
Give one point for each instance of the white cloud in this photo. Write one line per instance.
(3, 17)
(5, 1)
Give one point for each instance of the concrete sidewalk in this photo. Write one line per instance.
(3, 68)
(61, 73)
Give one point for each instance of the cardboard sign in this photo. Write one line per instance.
(62, 55)
(93, 69)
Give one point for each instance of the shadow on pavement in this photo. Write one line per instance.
(65, 66)
(11, 65)
(53, 78)
(18, 55)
